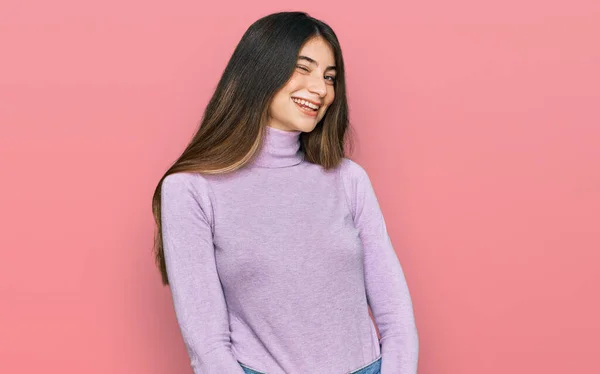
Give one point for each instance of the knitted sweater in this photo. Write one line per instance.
(276, 264)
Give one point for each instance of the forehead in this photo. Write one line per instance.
(318, 49)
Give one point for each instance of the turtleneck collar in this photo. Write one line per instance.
(280, 149)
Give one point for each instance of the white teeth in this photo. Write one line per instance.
(306, 103)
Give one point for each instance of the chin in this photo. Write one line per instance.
(306, 127)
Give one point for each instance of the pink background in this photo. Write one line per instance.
(478, 122)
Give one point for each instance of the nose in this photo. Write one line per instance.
(317, 86)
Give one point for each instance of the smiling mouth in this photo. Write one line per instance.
(306, 103)
(305, 109)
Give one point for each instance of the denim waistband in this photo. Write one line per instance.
(371, 368)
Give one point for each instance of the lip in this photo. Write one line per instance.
(310, 101)
(307, 112)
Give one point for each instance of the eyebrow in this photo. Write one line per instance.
(314, 62)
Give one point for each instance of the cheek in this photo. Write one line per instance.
(330, 98)
(280, 100)
(275, 109)
(294, 84)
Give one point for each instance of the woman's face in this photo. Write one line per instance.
(312, 80)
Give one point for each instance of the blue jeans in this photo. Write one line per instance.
(372, 368)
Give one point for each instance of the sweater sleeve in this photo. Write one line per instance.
(386, 287)
(199, 303)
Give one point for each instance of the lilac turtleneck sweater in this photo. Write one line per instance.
(276, 264)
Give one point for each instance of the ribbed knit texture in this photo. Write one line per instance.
(275, 265)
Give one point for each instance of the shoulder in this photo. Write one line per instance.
(355, 181)
(182, 181)
(352, 172)
(186, 180)
(187, 186)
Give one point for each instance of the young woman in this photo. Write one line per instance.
(271, 239)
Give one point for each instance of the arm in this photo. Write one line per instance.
(387, 291)
(197, 294)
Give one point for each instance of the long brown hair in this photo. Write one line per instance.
(233, 125)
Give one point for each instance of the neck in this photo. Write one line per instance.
(280, 149)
